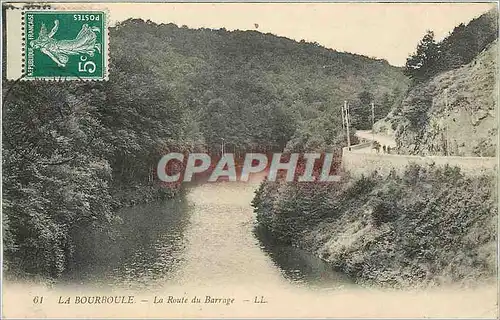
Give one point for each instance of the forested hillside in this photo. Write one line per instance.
(254, 89)
(459, 48)
(75, 152)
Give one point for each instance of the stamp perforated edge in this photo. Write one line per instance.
(16, 41)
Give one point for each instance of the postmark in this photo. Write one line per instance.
(59, 44)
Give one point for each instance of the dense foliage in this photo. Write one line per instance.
(460, 47)
(75, 152)
(432, 225)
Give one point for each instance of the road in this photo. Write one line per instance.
(382, 139)
(369, 136)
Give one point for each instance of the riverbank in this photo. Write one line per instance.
(128, 196)
(90, 246)
(429, 227)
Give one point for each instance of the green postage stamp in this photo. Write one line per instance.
(59, 44)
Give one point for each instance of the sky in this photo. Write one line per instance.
(382, 30)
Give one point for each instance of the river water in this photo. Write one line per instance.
(207, 238)
(203, 245)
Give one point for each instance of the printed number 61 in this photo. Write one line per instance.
(88, 66)
(37, 299)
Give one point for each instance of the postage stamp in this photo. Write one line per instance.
(60, 44)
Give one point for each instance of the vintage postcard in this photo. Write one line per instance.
(249, 160)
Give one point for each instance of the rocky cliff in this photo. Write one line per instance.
(453, 113)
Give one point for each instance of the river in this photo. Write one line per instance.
(208, 237)
(205, 244)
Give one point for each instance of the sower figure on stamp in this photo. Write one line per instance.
(60, 50)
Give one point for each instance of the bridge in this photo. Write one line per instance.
(362, 159)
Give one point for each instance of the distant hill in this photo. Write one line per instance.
(252, 89)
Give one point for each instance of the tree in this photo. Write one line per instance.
(423, 64)
(361, 112)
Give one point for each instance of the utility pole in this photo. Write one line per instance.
(222, 151)
(343, 117)
(347, 125)
(373, 122)
(446, 125)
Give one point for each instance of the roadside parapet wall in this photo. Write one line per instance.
(364, 163)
